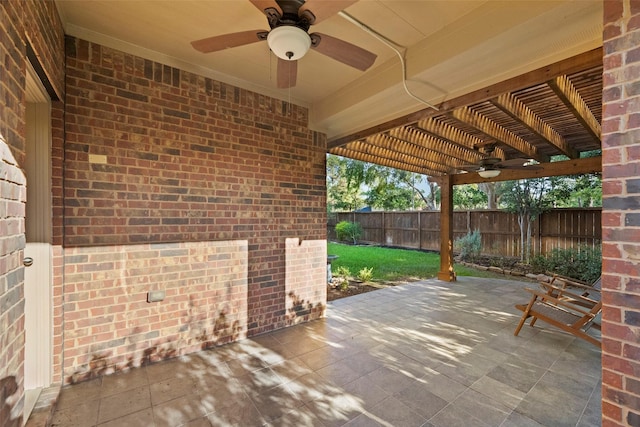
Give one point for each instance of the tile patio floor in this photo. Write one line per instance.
(423, 354)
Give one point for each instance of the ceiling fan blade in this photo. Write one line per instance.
(287, 73)
(517, 163)
(225, 41)
(343, 51)
(513, 162)
(323, 9)
(262, 5)
(528, 167)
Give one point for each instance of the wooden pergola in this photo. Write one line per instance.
(554, 110)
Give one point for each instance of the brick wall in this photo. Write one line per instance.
(12, 198)
(621, 214)
(110, 326)
(306, 280)
(37, 24)
(43, 29)
(154, 154)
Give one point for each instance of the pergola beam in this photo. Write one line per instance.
(566, 167)
(497, 132)
(515, 108)
(567, 92)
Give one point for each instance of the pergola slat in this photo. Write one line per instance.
(448, 154)
(380, 159)
(431, 159)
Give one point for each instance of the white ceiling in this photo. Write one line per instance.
(452, 47)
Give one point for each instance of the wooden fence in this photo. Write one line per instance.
(499, 230)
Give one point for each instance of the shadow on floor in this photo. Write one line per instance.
(423, 354)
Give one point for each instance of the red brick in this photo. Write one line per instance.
(634, 22)
(612, 188)
(611, 411)
(613, 61)
(631, 352)
(612, 155)
(612, 314)
(632, 152)
(611, 124)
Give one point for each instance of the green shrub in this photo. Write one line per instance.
(582, 263)
(346, 230)
(343, 271)
(366, 274)
(540, 264)
(469, 245)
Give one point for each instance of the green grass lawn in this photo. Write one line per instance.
(392, 265)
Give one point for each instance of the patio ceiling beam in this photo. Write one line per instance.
(587, 60)
(567, 92)
(497, 132)
(566, 167)
(397, 162)
(445, 152)
(515, 108)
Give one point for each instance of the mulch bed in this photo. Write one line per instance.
(334, 293)
(355, 288)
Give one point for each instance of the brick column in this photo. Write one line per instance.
(621, 214)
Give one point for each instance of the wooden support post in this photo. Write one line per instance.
(446, 272)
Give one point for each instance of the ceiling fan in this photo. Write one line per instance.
(289, 37)
(490, 167)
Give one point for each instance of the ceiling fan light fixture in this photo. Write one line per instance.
(289, 42)
(489, 173)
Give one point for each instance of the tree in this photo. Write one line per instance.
(352, 184)
(577, 191)
(490, 189)
(394, 189)
(344, 181)
(433, 196)
(390, 197)
(528, 198)
(468, 196)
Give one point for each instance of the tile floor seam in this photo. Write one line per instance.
(462, 410)
(593, 390)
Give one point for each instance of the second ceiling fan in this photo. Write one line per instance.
(490, 166)
(289, 37)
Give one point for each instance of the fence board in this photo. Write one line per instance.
(557, 228)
